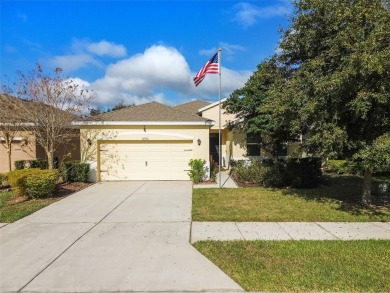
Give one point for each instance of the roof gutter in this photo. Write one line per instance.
(136, 123)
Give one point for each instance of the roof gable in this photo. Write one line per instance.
(211, 105)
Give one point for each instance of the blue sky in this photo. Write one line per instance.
(140, 51)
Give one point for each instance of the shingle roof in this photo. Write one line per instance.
(192, 107)
(153, 111)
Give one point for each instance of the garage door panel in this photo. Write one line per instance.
(129, 160)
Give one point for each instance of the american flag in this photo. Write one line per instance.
(210, 67)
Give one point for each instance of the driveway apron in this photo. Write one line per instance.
(112, 236)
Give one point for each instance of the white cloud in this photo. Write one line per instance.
(72, 62)
(84, 53)
(248, 14)
(136, 79)
(159, 70)
(104, 48)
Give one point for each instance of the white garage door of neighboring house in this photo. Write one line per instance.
(145, 160)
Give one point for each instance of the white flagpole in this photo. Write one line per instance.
(219, 116)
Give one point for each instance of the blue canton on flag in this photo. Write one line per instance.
(211, 67)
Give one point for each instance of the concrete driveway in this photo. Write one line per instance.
(112, 236)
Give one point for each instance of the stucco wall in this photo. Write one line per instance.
(20, 151)
(139, 133)
(213, 114)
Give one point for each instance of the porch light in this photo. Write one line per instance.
(89, 141)
(199, 141)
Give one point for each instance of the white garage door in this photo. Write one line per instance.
(145, 160)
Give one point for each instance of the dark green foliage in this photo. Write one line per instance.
(198, 171)
(74, 171)
(250, 105)
(41, 164)
(19, 165)
(339, 91)
(294, 172)
(260, 173)
(25, 164)
(33, 183)
(303, 172)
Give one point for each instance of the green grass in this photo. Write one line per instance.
(298, 266)
(11, 212)
(335, 201)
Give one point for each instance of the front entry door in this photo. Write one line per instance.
(214, 147)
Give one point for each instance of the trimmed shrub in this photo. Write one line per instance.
(198, 171)
(295, 172)
(259, 173)
(41, 183)
(74, 171)
(19, 165)
(41, 164)
(3, 180)
(303, 172)
(17, 180)
(33, 183)
(26, 164)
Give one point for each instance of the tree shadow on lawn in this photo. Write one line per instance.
(347, 191)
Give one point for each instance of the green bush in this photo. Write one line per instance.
(41, 183)
(342, 167)
(3, 180)
(41, 164)
(19, 165)
(25, 164)
(294, 172)
(260, 173)
(17, 180)
(303, 172)
(198, 171)
(74, 171)
(33, 183)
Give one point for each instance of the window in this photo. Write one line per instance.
(253, 143)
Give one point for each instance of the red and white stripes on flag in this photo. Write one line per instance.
(211, 67)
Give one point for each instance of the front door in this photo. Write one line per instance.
(214, 147)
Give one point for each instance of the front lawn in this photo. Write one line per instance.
(302, 266)
(335, 201)
(14, 208)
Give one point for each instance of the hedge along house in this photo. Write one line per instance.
(24, 145)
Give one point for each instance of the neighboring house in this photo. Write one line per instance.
(156, 142)
(25, 147)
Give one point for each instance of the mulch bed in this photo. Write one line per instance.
(65, 189)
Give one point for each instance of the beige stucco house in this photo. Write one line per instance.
(156, 142)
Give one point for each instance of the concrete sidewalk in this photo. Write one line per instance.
(288, 231)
